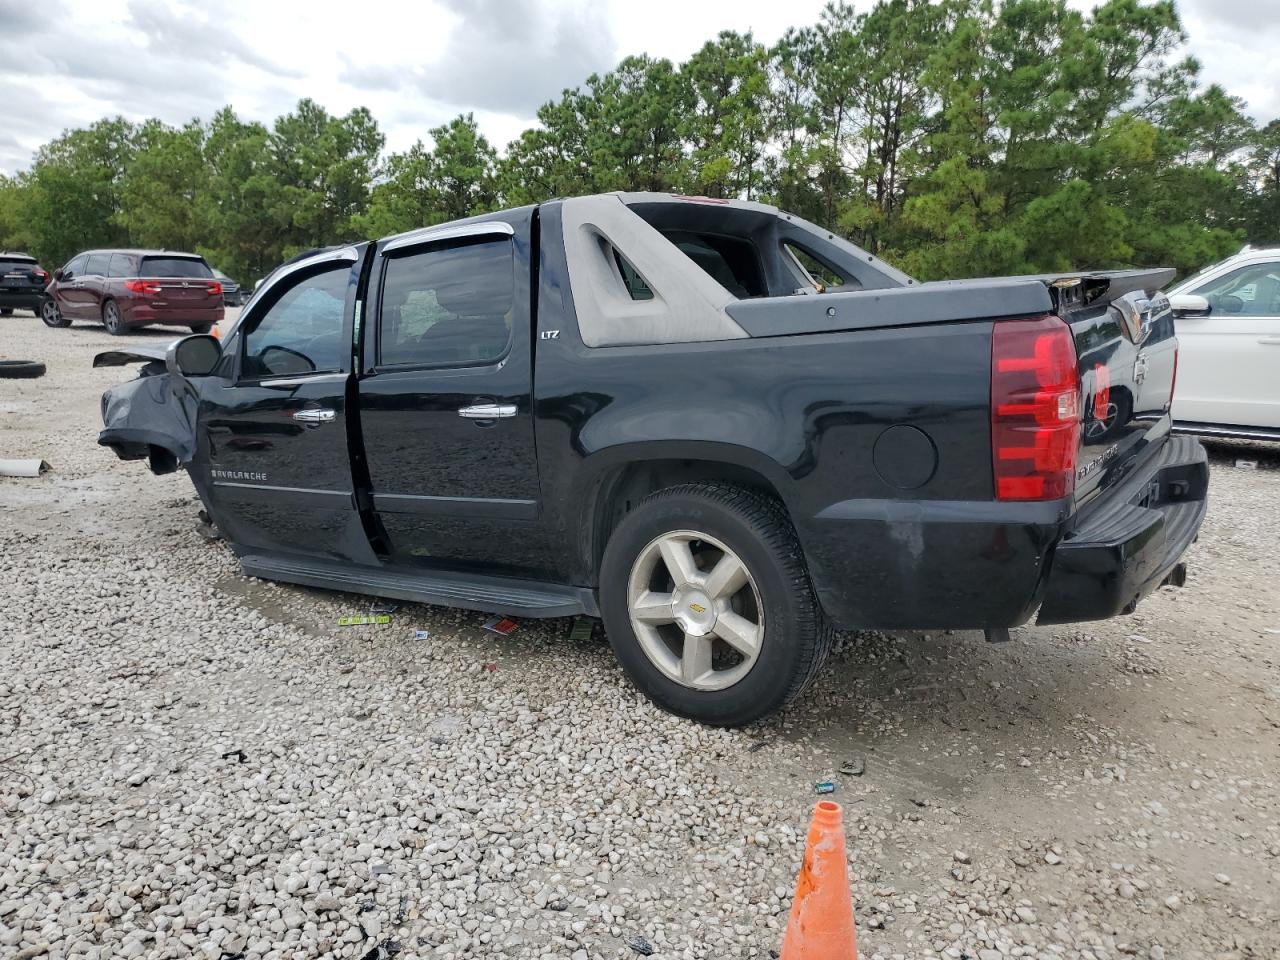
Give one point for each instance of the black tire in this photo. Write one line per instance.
(112, 320)
(201, 327)
(756, 528)
(51, 315)
(6, 311)
(21, 369)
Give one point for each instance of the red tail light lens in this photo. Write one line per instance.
(1035, 409)
(215, 288)
(40, 275)
(142, 286)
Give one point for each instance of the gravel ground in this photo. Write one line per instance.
(193, 763)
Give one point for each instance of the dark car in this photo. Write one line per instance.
(22, 283)
(134, 288)
(233, 294)
(722, 429)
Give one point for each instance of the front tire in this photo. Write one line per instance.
(201, 327)
(111, 319)
(708, 605)
(51, 315)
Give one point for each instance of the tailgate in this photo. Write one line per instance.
(186, 294)
(1127, 354)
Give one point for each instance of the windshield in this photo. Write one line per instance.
(175, 267)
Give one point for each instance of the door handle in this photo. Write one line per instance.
(488, 411)
(1272, 340)
(315, 416)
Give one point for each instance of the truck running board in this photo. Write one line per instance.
(521, 598)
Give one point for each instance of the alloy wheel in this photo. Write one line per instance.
(695, 610)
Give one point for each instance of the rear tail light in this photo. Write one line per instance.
(39, 275)
(215, 288)
(142, 286)
(1035, 409)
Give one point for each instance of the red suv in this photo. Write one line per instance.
(134, 288)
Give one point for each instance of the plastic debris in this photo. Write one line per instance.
(22, 468)
(641, 945)
(379, 869)
(826, 786)
(384, 606)
(503, 626)
(581, 629)
(1246, 464)
(238, 755)
(489, 668)
(757, 746)
(855, 766)
(422, 634)
(361, 620)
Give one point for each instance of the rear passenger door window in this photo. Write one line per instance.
(447, 305)
(301, 332)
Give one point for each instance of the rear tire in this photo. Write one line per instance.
(51, 315)
(201, 327)
(777, 636)
(112, 320)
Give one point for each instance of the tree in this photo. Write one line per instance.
(162, 190)
(324, 165)
(455, 179)
(242, 205)
(726, 125)
(74, 199)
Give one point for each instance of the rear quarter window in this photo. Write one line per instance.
(122, 265)
(185, 267)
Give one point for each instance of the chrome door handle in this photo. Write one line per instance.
(315, 416)
(488, 411)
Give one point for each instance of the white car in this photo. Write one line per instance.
(1228, 324)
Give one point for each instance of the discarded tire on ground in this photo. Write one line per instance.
(20, 369)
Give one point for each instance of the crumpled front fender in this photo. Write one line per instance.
(148, 418)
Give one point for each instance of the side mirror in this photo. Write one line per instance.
(194, 356)
(59, 274)
(1189, 305)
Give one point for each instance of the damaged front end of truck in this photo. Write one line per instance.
(153, 416)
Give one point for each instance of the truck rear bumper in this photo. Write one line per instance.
(931, 564)
(1118, 554)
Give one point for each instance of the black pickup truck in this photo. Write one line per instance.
(718, 427)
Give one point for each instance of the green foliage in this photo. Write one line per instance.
(952, 137)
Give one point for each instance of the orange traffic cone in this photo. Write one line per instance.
(821, 923)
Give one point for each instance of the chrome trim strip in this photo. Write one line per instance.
(432, 234)
(299, 381)
(490, 508)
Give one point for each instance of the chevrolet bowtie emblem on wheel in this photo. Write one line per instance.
(697, 608)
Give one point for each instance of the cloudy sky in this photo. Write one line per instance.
(416, 63)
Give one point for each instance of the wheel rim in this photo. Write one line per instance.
(695, 610)
(49, 312)
(111, 317)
